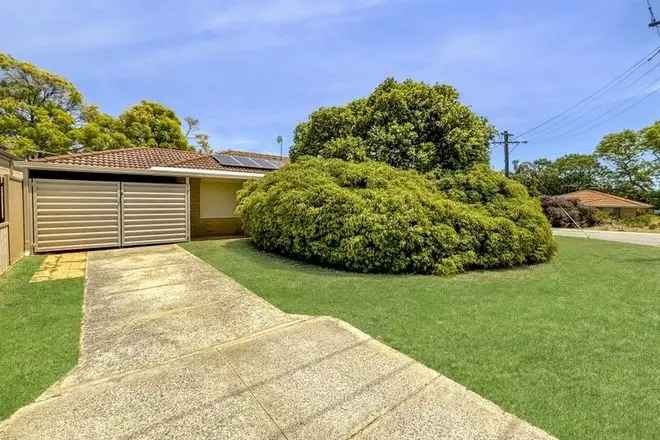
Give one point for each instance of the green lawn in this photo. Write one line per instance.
(572, 346)
(40, 328)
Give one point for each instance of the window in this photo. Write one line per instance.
(2, 199)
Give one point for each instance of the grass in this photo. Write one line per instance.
(573, 346)
(40, 328)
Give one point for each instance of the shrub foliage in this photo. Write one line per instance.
(370, 217)
(406, 124)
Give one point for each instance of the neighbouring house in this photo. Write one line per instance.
(614, 205)
(11, 212)
(136, 196)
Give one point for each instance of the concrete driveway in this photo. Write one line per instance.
(171, 348)
(643, 238)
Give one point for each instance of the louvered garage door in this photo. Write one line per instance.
(154, 213)
(74, 214)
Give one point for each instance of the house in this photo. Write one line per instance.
(609, 203)
(11, 212)
(136, 196)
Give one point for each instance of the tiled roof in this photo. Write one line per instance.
(599, 199)
(137, 158)
(144, 158)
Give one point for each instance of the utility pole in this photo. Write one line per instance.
(654, 23)
(506, 142)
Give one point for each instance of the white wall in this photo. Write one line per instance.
(217, 198)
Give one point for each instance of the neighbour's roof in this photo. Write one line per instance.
(598, 199)
(144, 158)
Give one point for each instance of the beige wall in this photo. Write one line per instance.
(12, 238)
(212, 204)
(218, 198)
(4, 247)
(16, 217)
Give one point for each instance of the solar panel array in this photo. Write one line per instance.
(248, 162)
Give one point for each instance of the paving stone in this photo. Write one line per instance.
(194, 397)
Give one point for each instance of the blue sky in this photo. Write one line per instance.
(250, 70)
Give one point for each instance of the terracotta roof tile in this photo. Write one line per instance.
(599, 199)
(137, 158)
(144, 158)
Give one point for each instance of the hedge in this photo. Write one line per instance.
(370, 217)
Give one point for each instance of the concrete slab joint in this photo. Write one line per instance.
(171, 348)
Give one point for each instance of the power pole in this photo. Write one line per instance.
(506, 136)
(654, 23)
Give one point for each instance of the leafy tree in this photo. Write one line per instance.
(99, 131)
(568, 173)
(540, 177)
(629, 158)
(203, 143)
(406, 124)
(151, 124)
(38, 109)
(651, 140)
(579, 171)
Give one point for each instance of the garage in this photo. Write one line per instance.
(135, 196)
(88, 214)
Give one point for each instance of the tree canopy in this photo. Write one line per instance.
(38, 109)
(630, 158)
(406, 124)
(151, 124)
(42, 113)
(625, 163)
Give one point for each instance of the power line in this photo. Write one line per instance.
(609, 115)
(612, 83)
(572, 126)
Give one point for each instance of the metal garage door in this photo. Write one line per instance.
(73, 214)
(81, 214)
(154, 213)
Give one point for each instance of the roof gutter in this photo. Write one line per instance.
(154, 171)
(209, 173)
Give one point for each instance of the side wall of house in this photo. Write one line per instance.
(12, 237)
(212, 203)
(16, 217)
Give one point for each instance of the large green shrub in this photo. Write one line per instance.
(370, 217)
(407, 124)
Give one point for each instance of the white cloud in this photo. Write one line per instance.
(284, 11)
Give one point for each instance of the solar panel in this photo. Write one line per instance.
(227, 160)
(248, 162)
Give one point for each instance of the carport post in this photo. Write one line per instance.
(188, 210)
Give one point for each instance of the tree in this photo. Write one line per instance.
(151, 124)
(568, 173)
(38, 109)
(540, 177)
(99, 131)
(651, 140)
(203, 143)
(579, 171)
(406, 124)
(629, 159)
(192, 125)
